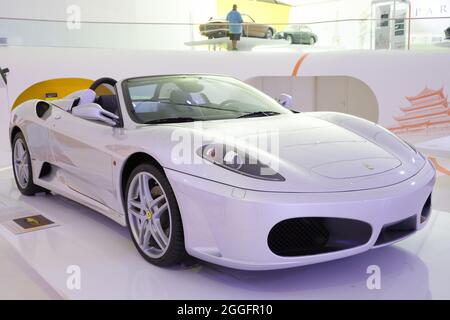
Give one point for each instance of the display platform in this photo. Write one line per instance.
(416, 268)
(245, 44)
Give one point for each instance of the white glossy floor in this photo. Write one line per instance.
(33, 265)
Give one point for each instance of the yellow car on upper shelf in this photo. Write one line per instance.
(218, 28)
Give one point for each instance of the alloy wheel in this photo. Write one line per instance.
(149, 215)
(21, 163)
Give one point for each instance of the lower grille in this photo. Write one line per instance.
(309, 236)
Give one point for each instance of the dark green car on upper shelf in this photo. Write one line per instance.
(298, 34)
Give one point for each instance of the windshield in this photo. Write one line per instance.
(196, 97)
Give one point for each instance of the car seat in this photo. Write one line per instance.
(109, 103)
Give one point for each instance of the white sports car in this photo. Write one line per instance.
(208, 166)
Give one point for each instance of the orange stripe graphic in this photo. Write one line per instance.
(439, 167)
(298, 64)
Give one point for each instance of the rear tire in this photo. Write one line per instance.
(21, 163)
(153, 217)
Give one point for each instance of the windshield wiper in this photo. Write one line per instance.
(172, 120)
(259, 114)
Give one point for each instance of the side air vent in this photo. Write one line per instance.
(42, 108)
(310, 236)
(45, 170)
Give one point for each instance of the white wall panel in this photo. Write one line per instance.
(98, 35)
(4, 120)
(301, 89)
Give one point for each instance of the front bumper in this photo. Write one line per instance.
(229, 226)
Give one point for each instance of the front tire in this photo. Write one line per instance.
(153, 217)
(290, 39)
(21, 162)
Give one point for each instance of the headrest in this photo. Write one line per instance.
(189, 85)
(86, 96)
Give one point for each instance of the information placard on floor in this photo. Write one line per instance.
(29, 223)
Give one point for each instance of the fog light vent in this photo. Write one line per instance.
(397, 230)
(426, 210)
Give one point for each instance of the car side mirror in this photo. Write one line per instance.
(285, 100)
(93, 111)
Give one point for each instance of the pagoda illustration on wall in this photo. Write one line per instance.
(429, 109)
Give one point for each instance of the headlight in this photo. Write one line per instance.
(411, 146)
(232, 159)
(414, 149)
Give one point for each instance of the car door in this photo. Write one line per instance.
(303, 35)
(308, 35)
(83, 153)
(297, 35)
(251, 29)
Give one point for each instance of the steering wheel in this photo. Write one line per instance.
(97, 83)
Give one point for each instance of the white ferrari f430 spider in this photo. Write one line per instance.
(208, 166)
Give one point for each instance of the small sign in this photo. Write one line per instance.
(3, 77)
(29, 224)
(51, 96)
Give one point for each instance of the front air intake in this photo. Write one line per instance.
(310, 236)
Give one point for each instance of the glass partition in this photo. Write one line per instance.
(378, 32)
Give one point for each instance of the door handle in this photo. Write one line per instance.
(57, 117)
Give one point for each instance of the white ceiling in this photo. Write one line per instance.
(302, 2)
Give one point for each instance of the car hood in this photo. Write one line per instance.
(313, 155)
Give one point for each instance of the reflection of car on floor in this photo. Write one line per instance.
(298, 34)
(218, 28)
(188, 164)
(447, 33)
